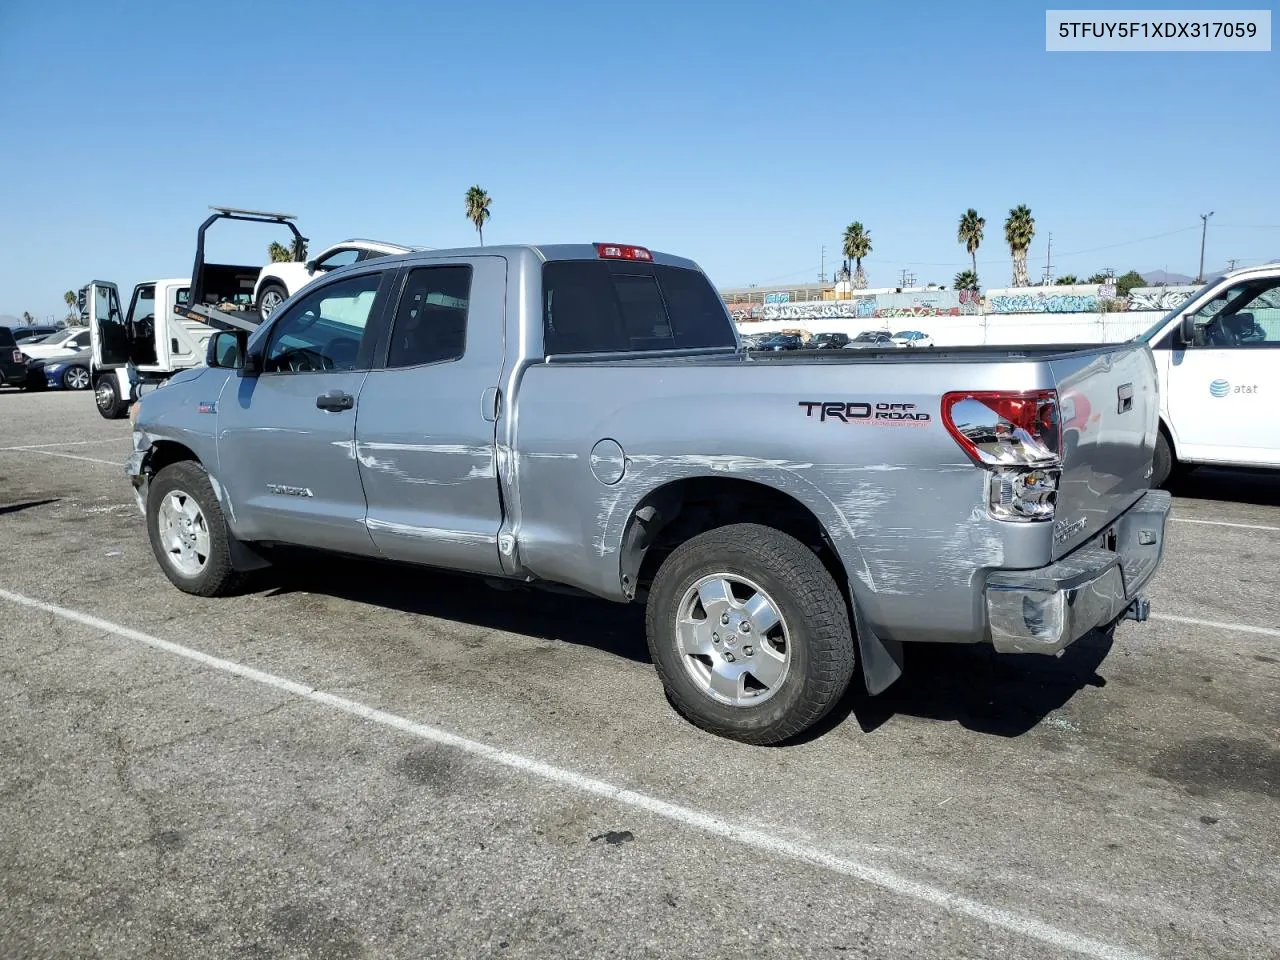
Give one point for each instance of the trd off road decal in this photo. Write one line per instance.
(875, 413)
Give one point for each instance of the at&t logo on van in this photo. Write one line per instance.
(1222, 388)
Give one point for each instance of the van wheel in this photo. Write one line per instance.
(1165, 467)
(106, 394)
(189, 533)
(749, 633)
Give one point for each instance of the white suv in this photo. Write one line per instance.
(279, 281)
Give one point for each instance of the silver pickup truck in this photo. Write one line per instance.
(583, 416)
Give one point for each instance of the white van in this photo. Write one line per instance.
(1219, 360)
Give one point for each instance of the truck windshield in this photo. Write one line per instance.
(610, 306)
(1159, 325)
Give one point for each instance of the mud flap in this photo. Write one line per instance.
(881, 659)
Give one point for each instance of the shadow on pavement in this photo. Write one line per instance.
(1004, 695)
(612, 627)
(1236, 486)
(26, 505)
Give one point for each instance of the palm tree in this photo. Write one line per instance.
(27, 319)
(857, 244)
(1018, 231)
(478, 209)
(965, 280)
(970, 234)
(69, 298)
(279, 253)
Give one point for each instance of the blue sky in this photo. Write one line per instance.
(744, 135)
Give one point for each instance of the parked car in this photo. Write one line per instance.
(279, 281)
(829, 341)
(580, 416)
(13, 362)
(912, 338)
(870, 338)
(782, 341)
(60, 373)
(64, 343)
(30, 334)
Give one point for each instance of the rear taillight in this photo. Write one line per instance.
(1017, 437)
(19, 356)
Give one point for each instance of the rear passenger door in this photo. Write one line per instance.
(426, 425)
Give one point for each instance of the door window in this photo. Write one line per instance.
(325, 329)
(431, 322)
(1245, 315)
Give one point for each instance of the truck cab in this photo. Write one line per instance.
(142, 346)
(1218, 358)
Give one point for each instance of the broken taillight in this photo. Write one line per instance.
(1017, 437)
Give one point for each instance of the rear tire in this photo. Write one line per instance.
(107, 397)
(812, 634)
(189, 533)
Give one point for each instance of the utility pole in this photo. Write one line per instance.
(1204, 229)
(822, 269)
(1048, 263)
(908, 279)
(1231, 264)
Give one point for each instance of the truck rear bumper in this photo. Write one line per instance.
(1046, 610)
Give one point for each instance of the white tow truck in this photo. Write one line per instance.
(169, 322)
(1218, 356)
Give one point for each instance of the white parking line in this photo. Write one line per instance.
(760, 839)
(1217, 624)
(64, 443)
(1224, 523)
(73, 456)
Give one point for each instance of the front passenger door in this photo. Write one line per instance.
(286, 437)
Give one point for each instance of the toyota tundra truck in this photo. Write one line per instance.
(583, 416)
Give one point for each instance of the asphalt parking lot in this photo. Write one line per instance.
(352, 761)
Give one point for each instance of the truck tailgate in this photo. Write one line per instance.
(1110, 409)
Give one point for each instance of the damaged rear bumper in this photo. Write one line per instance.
(1046, 610)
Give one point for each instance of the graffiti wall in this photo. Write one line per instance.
(1159, 298)
(1083, 298)
(1073, 299)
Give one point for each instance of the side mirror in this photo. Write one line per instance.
(311, 266)
(1187, 329)
(227, 350)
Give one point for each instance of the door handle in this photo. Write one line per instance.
(335, 401)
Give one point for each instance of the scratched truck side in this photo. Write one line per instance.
(582, 416)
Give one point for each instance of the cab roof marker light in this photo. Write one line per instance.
(622, 251)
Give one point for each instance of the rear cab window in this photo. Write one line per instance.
(612, 306)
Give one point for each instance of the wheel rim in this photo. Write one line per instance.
(270, 300)
(184, 534)
(105, 395)
(733, 640)
(77, 379)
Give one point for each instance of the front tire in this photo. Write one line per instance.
(76, 378)
(1164, 465)
(188, 531)
(270, 297)
(750, 634)
(106, 395)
